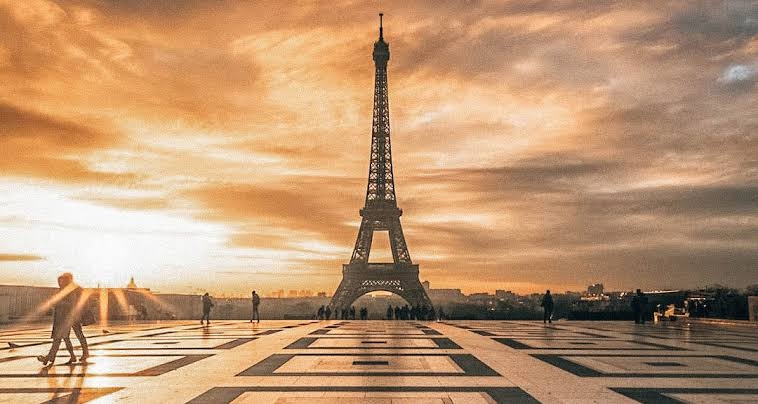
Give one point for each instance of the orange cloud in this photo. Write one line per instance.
(535, 143)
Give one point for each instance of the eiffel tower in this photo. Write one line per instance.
(380, 212)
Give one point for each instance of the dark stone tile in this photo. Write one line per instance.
(500, 395)
(664, 364)
(561, 361)
(469, 364)
(446, 343)
(659, 395)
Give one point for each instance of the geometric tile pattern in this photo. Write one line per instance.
(336, 362)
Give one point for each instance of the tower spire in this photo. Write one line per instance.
(381, 29)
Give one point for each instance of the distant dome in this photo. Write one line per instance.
(131, 284)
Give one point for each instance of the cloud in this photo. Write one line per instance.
(20, 257)
(40, 145)
(534, 142)
(737, 73)
(310, 207)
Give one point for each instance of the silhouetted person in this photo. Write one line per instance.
(256, 301)
(81, 315)
(397, 312)
(328, 312)
(320, 313)
(63, 317)
(642, 298)
(142, 312)
(389, 312)
(636, 306)
(207, 304)
(352, 312)
(547, 305)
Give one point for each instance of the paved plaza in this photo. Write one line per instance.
(337, 362)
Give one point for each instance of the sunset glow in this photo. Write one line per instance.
(224, 146)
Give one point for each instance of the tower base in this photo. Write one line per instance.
(400, 279)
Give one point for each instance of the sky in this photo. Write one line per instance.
(224, 146)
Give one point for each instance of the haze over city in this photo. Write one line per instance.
(225, 145)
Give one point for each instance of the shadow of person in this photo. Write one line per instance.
(45, 370)
(66, 388)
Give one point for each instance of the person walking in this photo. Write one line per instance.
(207, 304)
(636, 306)
(547, 305)
(642, 298)
(256, 301)
(81, 315)
(62, 323)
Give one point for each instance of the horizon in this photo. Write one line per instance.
(285, 294)
(224, 147)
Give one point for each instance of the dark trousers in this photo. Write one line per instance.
(640, 317)
(548, 316)
(206, 316)
(77, 327)
(255, 315)
(56, 345)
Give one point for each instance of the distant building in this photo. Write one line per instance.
(442, 295)
(292, 293)
(596, 289)
(504, 294)
(321, 294)
(438, 296)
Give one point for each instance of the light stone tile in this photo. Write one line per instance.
(544, 381)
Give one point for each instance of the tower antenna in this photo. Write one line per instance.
(381, 29)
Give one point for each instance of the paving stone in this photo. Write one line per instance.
(388, 362)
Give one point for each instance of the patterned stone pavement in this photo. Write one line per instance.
(338, 362)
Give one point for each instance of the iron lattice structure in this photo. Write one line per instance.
(380, 212)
